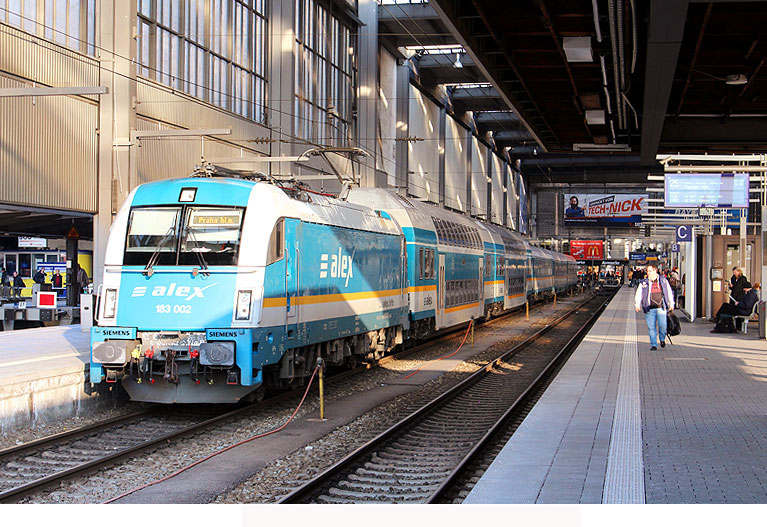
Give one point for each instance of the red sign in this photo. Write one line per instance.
(46, 299)
(586, 249)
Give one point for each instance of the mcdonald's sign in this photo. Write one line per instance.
(587, 249)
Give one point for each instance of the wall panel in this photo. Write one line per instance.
(48, 150)
(497, 167)
(512, 199)
(456, 165)
(479, 155)
(423, 156)
(29, 57)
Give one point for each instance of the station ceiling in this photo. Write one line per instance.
(25, 221)
(659, 76)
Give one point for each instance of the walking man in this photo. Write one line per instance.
(655, 298)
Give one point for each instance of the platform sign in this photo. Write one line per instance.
(28, 242)
(675, 247)
(684, 233)
(706, 190)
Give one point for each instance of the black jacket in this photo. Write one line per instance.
(737, 285)
(747, 304)
(18, 281)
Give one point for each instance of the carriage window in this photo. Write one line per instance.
(276, 243)
(421, 263)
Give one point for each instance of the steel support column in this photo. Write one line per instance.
(117, 118)
(367, 10)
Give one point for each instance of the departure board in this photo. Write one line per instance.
(706, 190)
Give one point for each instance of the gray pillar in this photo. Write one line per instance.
(469, 179)
(763, 248)
(403, 118)
(72, 288)
(281, 84)
(441, 152)
(743, 232)
(489, 177)
(505, 185)
(708, 262)
(117, 119)
(367, 62)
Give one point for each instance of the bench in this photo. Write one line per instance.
(746, 318)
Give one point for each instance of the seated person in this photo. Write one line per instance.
(742, 308)
(738, 285)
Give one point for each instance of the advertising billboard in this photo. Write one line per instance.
(586, 249)
(604, 209)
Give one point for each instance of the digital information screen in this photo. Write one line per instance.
(706, 190)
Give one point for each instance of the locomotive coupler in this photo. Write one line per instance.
(171, 367)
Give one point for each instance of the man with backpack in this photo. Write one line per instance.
(655, 298)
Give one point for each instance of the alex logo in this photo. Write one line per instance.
(172, 290)
(340, 266)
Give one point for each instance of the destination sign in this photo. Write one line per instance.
(706, 190)
(216, 219)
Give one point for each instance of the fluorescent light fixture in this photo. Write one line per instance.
(595, 116)
(578, 49)
(589, 147)
(736, 80)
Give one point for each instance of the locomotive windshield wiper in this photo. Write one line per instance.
(197, 250)
(169, 235)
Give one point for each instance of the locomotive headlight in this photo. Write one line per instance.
(243, 305)
(110, 303)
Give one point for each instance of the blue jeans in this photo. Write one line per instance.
(652, 317)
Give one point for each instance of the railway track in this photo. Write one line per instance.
(34, 466)
(418, 459)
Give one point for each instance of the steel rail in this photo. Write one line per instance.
(334, 472)
(515, 408)
(55, 440)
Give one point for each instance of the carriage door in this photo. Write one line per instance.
(292, 259)
(480, 311)
(441, 292)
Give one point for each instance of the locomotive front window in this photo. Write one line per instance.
(211, 236)
(152, 230)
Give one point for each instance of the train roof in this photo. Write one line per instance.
(268, 199)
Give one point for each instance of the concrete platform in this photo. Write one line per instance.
(623, 424)
(42, 375)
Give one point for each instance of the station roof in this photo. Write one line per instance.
(662, 76)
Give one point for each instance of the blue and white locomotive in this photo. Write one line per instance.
(215, 289)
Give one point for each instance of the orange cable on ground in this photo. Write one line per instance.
(222, 450)
(471, 323)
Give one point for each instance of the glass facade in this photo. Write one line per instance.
(214, 50)
(71, 23)
(324, 74)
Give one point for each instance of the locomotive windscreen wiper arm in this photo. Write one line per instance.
(169, 235)
(198, 252)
